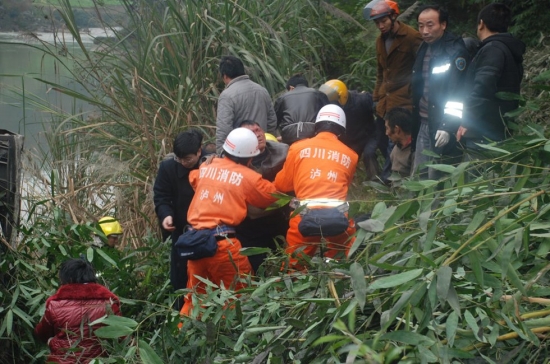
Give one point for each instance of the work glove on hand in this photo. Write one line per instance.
(441, 138)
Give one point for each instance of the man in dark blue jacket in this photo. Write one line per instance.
(438, 91)
(496, 67)
(173, 194)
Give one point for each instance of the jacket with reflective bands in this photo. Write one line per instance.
(320, 167)
(447, 72)
(223, 189)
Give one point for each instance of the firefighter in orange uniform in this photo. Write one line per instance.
(319, 170)
(223, 189)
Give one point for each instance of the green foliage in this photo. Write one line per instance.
(81, 3)
(529, 19)
(443, 271)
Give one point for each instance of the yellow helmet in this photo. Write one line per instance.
(335, 90)
(271, 137)
(110, 226)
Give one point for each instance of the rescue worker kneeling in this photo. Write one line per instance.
(319, 170)
(223, 189)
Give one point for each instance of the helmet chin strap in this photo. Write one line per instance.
(391, 32)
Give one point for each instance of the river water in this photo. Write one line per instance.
(28, 105)
(22, 96)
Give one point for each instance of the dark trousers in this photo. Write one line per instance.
(377, 141)
(178, 275)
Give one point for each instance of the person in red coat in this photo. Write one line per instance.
(79, 301)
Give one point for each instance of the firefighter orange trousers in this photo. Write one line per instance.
(309, 245)
(218, 269)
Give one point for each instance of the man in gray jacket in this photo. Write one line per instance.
(242, 99)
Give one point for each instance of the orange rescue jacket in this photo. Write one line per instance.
(222, 191)
(320, 167)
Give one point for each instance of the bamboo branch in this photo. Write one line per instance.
(487, 225)
(333, 292)
(508, 336)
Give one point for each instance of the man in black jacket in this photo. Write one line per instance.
(173, 194)
(496, 67)
(297, 109)
(361, 133)
(438, 91)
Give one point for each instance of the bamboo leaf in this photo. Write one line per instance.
(493, 336)
(23, 316)
(479, 217)
(520, 333)
(254, 251)
(378, 210)
(106, 257)
(407, 337)
(300, 325)
(449, 207)
(90, 254)
(423, 219)
(444, 275)
(371, 225)
(147, 354)
(427, 355)
(475, 265)
(399, 212)
(508, 96)
(263, 287)
(447, 168)
(388, 317)
(9, 322)
(395, 280)
(358, 283)
(262, 329)
(115, 320)
(452, 299)
(450, 328)
(491, 148)
(327, 339)
(419, 185)
(472, 323)
(113, 331)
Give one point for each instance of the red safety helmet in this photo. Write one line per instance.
(377, 9)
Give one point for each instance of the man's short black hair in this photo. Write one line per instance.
(77, 271)
(497, 17)
(443, 13)
(231, 67)
(331, 127)
(297, 79)
(187, 142)
(399, 116)
(248, 123)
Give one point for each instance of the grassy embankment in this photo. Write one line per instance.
(80, 3)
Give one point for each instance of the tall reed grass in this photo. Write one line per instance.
(157, 77)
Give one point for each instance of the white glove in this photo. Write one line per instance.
(441, 138)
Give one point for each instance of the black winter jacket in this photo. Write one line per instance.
(359, 112)
(448, 63)
(172, 195)
(299, 105)
(496, 67)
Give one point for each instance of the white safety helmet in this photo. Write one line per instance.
(242, 143)
(332, 113)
